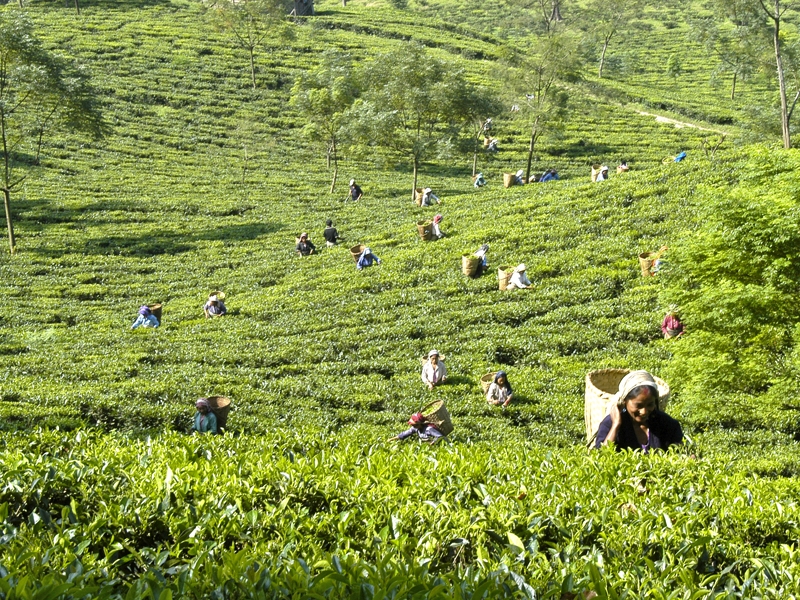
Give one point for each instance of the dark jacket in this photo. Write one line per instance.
(664, 432)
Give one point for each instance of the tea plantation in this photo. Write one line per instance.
(201, 182)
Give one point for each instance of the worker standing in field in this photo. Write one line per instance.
(205, 421)
(355, 191)
(146, 318)
(330, 234)
(426, 432)
(433, 371)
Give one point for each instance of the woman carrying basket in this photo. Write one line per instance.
(426, 432)
(500, 392)
(205, 421)
(635, 421)
(433, 371)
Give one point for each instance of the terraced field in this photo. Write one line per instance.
(203, 183)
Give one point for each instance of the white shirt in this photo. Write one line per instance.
(431, 375)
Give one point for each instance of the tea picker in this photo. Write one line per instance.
(355, 192)
(146, 318)
(205, 421)
(330, 234)
(433, 371)
(500, 391)
(519, 278)
(635, 420)
(672, 326)
(215, 307)
(426, 432)
(428, 198)
(367, 259)
(304, 246)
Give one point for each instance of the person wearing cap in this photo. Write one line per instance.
(603, 174)
(433, 371)
(635, 421)
(355, 191)
(428, 197)
(479, 180)
(304, 246)
(426, 432)
(215, 307)
(435, 226)
(499, 392)
(519, 279)
(146, 318)
(205, 421)
(367, 259)
(672, 326)
(330, 234)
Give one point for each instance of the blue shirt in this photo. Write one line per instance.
(142, 321)
(207, 424)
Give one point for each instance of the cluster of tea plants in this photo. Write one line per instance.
(296, 514)
(203, 183)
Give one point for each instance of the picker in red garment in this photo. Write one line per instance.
(672, 326)
(427, 432)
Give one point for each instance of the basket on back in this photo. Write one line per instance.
(425, 230)
(156, 310)
(436, 414)
(486, 382)
(220, 406)
(503, 275)
(595, 171)
(509, 179)
(601, 387)
(418, 193)
(356, 251)
(469, 264)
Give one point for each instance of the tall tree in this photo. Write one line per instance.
(775, 11)
(605, 19)
(417, 107)
(251, 23)
(540, 98)
(38, 90)
(322, 96)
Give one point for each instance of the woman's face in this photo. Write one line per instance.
(435, 359)
(202, 409)
(501, 381)
(640, 407)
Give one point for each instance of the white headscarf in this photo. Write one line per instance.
(633, 380)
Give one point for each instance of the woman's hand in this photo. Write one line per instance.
(616, 415)
(430, 386)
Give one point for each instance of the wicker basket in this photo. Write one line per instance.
(220, 406)
(356, 251)
(469, 264)
(596, 171)
(503, 275)
(508, 179)
(218, 293)
(436, 414)
(646, 260)
(425, 230)
(487, 381)
(156, 310)
(601, 387)
(418, 193)
(622, 169)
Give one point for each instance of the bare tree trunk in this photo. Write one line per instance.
(787, 140)
(335, 165)
(77, 7)
(530, 148)
(603, 56)
(344, 2)
(414, 187)
(253, 66)
(475, 159)
(556, 15)
(733, 87)
(12, 242)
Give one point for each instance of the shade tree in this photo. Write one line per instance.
(39, 91)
